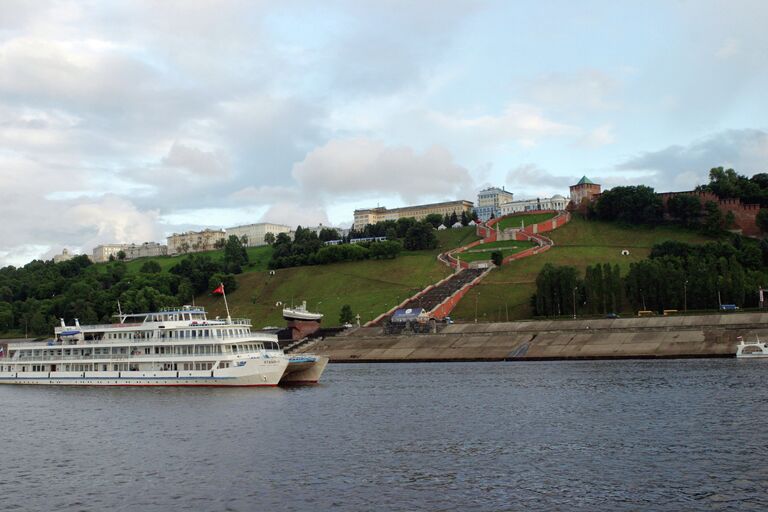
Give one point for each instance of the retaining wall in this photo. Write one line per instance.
(662, 337)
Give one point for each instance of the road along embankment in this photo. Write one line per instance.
(625, 338)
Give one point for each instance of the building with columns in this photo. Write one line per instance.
(556, 202)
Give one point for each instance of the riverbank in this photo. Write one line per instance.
(624, 338)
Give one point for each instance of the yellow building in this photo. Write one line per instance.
(419, 212)
(194, 241)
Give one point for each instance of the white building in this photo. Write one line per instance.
(64, 256)
(132, 251)
(556, 202)
(255, 233)
(489, 202)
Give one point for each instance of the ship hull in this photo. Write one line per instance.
(304, 370)
(253, 374)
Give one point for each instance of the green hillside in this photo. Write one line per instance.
(506, 292)
(371, 287)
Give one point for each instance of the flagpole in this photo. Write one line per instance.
(224, 293)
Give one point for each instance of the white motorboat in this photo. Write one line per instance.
(753, 349)
(301, 313)
(172, 347)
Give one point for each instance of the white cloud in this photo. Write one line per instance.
(729, 48)
(369, 168)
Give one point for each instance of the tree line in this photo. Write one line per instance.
(35, 296)
(676, 275)
(641, 205)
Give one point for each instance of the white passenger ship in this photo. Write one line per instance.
(173, 347)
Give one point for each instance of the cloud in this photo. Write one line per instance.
(531, 177)
(368, 168)
(600, 136)
(588, 88)
(729, 48)
(685, 166)
(196, 161)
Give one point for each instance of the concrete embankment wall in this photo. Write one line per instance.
(662, 337)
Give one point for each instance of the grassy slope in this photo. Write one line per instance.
(370, 287)
(258, 256)
(507, 248)
(531, 218)
(506, 292)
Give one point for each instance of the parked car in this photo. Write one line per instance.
(612, 315)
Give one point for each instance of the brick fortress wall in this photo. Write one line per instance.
(744, 214)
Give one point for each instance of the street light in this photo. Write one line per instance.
(685, 296)
(476, 297)
(574, 302)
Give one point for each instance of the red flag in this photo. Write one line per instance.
(219, 290)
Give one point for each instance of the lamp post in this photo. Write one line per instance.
(685, 296)
(476, 297)
(574, 302)
(642, 296)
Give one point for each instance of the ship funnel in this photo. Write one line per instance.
(77, 322)
(62, 322)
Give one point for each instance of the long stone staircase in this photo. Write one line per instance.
(440, 298)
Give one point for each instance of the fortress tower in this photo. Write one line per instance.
(583, 192)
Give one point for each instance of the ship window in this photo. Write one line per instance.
(194, 333)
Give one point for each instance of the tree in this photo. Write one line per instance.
(435, 219)
(420, 236)
(497, 258)
(235, 255)
(686, 208)
(632, 205)
(151, 267)
(327, 234)
(269, 238)
(714, 222)
(220, 243)
(346, 316)
(762, 220)
(121, 255)
(464, 218)
(453, 219)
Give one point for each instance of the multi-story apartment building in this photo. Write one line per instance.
(489, 202)
(556, 202)
(195, 241)
(255, 233)
(418, 212)
(102, 253)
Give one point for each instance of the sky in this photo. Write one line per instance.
(126, 121)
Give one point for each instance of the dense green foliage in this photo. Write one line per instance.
(35, 296)
(345, 315)
(632, 205)
(307, 248)
(727, 183)
(676, 275)
(556, 289)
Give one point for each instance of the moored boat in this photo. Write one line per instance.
(172, 347)
(755, 349)
(301, 313)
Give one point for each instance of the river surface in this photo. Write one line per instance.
(588, 435)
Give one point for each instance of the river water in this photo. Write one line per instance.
(588, 435)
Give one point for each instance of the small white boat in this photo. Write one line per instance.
(753, 349)
(301, 313)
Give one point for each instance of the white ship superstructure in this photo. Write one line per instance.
(173, 347)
